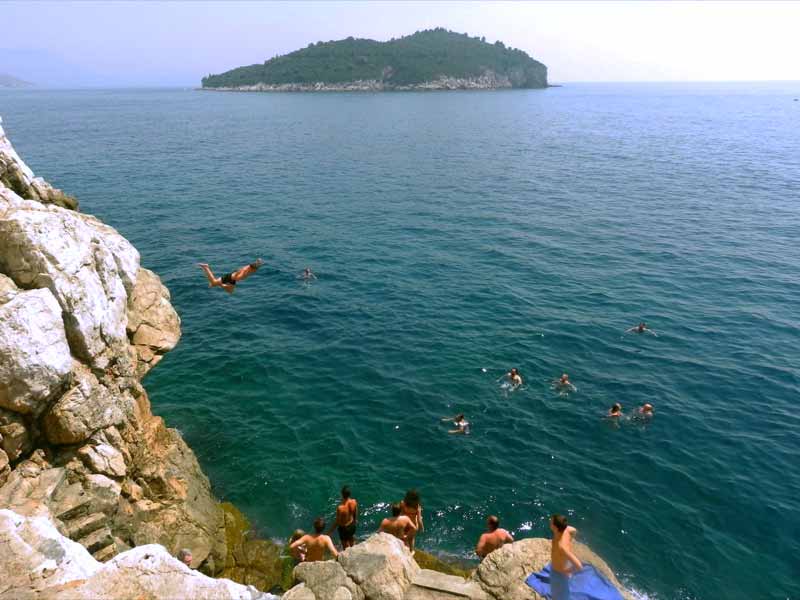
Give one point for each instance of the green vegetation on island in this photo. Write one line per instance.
(422, 57)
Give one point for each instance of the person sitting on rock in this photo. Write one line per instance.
(411, 507)
(494, 538)
(298, 553)
(185, 556)
(228, 281)
(316, 543)
(398, 525)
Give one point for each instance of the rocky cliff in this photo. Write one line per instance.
(81, 322)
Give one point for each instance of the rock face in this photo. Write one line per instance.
(15, 175)
(80, 323)
(37, 561)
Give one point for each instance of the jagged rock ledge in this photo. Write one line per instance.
(487, 81)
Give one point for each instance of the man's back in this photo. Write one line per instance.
(492, 540)
(397, 526)
(316, 545)
(346, 512)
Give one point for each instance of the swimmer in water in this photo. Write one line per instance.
(615, 411)
(641, 328)
(460, 423)
(228, 281)
(564, 384)
(514, 378)
(645, 411)
(308, 274)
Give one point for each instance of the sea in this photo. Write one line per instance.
(455, 235)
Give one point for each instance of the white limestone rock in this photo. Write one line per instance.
(382, 566)
(88, 266)
(34, 354)
(104, 459)
(87, 407)
(35, 556)
(36, 561)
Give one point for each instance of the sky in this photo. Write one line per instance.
(176, 43)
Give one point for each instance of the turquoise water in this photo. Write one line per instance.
(456, 232)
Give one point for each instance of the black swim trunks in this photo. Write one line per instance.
(347, 532)
(228, 278)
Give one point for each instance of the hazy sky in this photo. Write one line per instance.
(162, 43)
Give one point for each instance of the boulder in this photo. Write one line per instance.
(153, 325)
(104, 459)
(86, 408)
(17, 176)
(327, 580)
(503, 572)
(5, 469)
(432, 585)
(382, 566)
(87, 266)
(8, 289)
(15, 439)
(34, 355)
(103, 492)
(36, 561)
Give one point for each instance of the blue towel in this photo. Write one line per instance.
(586, 584)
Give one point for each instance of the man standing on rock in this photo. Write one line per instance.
(562, 558)
(494, 538)
(399, 525)
(346, 519)
(316, 543)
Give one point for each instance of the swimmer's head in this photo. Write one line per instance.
(459, 417)
(255, 265)
(319, 525)
(298, 533)
(616, 407)
(396, 510)
(564, 378)
(558, 523)
(492, 523)
(647, 408)
(412, 498)
(346, 492)
(513, 371)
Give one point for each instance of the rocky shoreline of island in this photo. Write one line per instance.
(487, 81)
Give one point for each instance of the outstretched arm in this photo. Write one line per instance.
(299, 542)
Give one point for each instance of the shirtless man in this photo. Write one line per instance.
(228, 281)
(346, 519)
(399, 525)
(308, 274)
(563, 560)
(493, 539)
(514, 378)
(316, 543)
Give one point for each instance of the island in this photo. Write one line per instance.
(9, 81)
(434, 59)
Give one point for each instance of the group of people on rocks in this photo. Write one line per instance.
(405, 523)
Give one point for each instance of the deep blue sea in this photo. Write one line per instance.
(456, 235)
